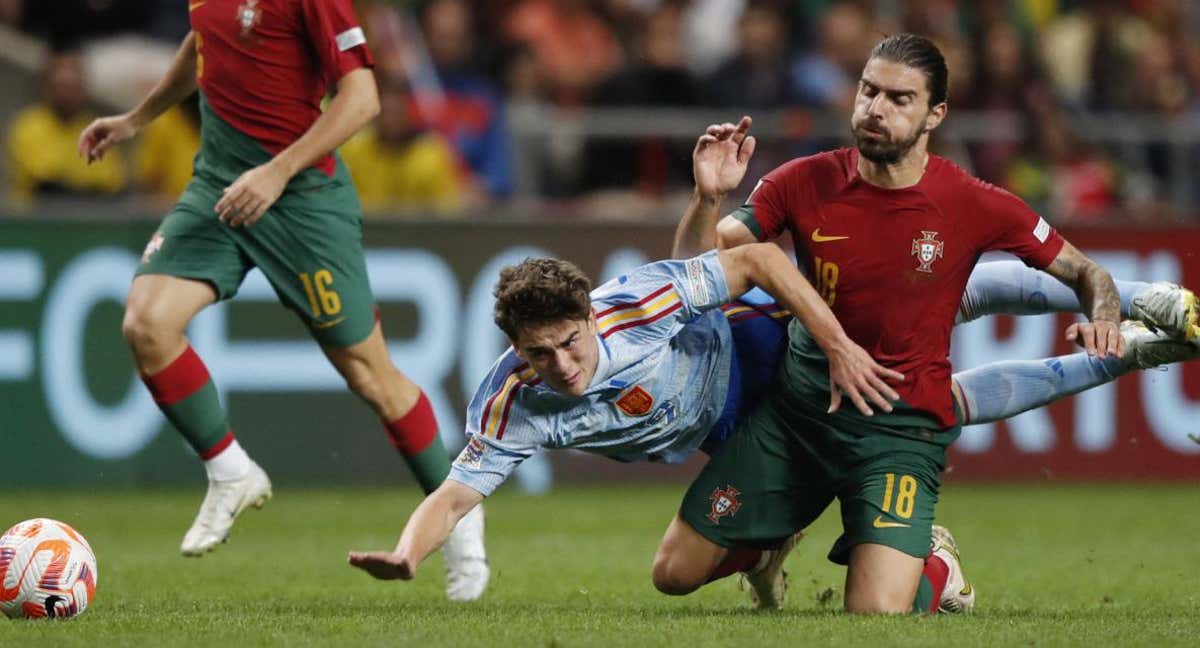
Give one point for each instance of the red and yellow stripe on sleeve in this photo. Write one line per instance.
(649, 309)
(738, 311)
(495, 412)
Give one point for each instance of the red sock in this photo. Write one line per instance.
(414, 431)
(737, 560)
(937, 572)
(185, 393)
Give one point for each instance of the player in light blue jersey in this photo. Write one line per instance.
(647, 367)
(642, 368)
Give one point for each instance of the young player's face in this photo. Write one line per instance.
(891, 110)
(564, 354)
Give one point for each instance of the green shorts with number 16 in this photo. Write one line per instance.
(308, 244)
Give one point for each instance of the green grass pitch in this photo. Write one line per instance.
(1080, 565)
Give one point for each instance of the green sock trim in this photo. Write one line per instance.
(199, 418)
(924, 597)
(430, 466)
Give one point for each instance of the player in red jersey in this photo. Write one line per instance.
(268, 191)
(889, 235)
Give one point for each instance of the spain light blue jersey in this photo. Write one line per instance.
(660, 384)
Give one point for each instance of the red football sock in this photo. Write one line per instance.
(415, 435)
(936, 572)
(737, 560)
(185, 393)
(414, 431)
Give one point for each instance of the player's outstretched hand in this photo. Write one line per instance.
(251, 195)
(383, 565)
(853, 372)
(721, 156)
(102, 134)
(1098, 338)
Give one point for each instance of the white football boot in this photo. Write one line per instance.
(958, 597)
(467, 570)
(767, 583)
(222, 504)
(1147, 349)
(1169, 307)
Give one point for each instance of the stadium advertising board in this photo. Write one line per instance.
(75, 413)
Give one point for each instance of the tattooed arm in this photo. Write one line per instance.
(1097, 296)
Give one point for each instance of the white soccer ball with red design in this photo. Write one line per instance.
(47, 570)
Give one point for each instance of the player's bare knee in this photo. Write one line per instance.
(875, 603)
(671, 577)
(147, 334)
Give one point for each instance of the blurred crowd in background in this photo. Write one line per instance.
(1086, 109)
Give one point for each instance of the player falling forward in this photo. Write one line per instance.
(890, 234)
(270, 192)
(644, 368)
(640, 369)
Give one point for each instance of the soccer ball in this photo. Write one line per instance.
(47, 570)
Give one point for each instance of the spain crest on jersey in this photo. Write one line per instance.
(724, 502)
(635, 401)
(248, 17)
(927, 249)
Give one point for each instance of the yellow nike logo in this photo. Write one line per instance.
(966, 590)
(192, 6)
(818, 238)
(325, 325)
(880, 524)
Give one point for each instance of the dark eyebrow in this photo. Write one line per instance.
(539, 348)
(889, 91)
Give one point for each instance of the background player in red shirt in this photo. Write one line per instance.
(270, 192)
(889, 235)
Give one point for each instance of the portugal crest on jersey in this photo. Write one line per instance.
(724, 502)
(248, 17)
(154, 245)
(927, 249)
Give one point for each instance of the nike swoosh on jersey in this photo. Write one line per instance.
(880, 524)
(192, 6)
(817, 237)
(331, 323)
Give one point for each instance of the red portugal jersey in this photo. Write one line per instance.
(893, 263)
(265, 65)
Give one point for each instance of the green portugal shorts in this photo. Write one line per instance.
(308, 244)
(782, 468)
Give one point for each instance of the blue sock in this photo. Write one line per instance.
(1011, 287)
(1004, 389)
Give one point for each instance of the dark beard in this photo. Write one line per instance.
(884, 152)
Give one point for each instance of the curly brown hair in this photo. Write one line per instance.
(540, 291)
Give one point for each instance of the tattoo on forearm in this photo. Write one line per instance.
(1105, 303)
(1066, 269)
(1095, 288)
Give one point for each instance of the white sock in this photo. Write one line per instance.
(1000, 390)
(1011, 287)
(231, 463)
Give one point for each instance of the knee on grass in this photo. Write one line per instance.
(876, 603)
(675, 578)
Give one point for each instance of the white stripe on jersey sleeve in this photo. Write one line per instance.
(352, 37)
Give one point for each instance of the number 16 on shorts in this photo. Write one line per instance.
(322, 299)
